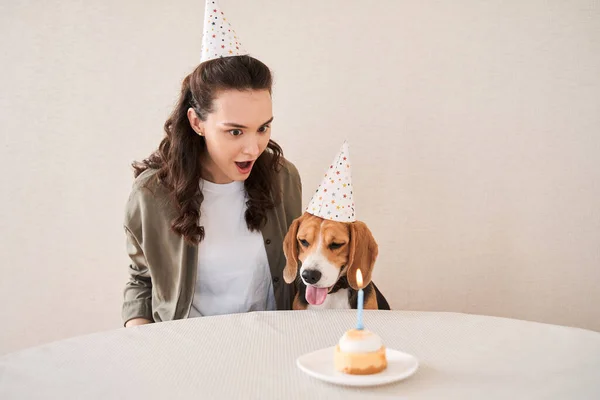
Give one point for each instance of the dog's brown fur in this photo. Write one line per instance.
(359, 250)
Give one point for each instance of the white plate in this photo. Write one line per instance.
(319, 364)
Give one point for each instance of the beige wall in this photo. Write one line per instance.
(474, 132)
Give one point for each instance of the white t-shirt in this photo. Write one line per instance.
(233, 268)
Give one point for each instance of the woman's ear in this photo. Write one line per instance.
(196, 123)
(363, 253)
(290, 250)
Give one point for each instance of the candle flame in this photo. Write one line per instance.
(359, 278)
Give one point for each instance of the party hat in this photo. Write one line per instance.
(219, 38)
(333, 199)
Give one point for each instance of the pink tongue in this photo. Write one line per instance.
(315, 296)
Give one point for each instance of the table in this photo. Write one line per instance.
(253, 356)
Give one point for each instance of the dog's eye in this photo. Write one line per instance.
(334, 246)
(303, 242)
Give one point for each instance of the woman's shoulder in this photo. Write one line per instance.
(288, 169)
(291, 183)
(148, 196)
(147, 183)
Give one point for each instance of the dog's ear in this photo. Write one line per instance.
(290, 250)
(363, 253)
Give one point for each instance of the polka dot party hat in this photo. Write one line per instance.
(219, 38)
(333, 199)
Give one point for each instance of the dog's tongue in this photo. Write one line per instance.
(315, 296)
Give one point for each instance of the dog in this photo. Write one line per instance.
(330, 253)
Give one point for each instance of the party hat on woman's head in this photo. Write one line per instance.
(333, 199)
(219, 38)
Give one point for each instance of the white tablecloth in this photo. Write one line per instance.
(253, 356)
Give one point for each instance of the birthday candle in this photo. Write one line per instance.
(359, 281)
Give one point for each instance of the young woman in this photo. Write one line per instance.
(208, 211)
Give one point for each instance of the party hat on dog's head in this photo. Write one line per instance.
(333, 199)
(219, 38)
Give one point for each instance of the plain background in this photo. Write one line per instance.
(474, 129)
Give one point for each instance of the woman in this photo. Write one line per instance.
(208, 212)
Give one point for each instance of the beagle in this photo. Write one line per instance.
(330, 253)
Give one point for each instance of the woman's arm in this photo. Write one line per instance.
(137, 302)
(137, 305)
(137, 322)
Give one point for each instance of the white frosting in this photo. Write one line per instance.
(363, 341)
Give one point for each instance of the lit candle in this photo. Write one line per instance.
(359, 281)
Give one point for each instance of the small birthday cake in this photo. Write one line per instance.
(360, 352)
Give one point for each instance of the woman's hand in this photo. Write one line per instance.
(137, 322)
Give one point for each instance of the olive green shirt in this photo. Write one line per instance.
(163, 265)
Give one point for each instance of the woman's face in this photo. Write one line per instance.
(236, 133)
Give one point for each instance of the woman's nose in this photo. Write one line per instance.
(252, 147)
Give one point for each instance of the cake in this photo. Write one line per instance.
(360, 352)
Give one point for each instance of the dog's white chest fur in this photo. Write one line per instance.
(336, 300)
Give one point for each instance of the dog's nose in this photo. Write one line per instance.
(311, 276)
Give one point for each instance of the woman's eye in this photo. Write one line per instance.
(263, 129)
(235, 132)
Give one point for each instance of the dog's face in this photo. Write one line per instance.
(323, 248)
(328, 250)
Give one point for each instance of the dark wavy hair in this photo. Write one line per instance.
(178, 157)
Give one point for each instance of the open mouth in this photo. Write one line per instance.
(244, 167)
(316, 295)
